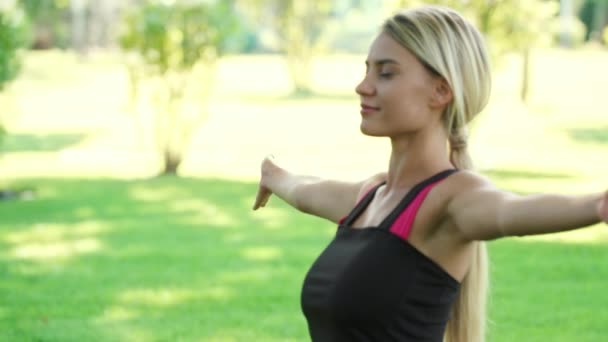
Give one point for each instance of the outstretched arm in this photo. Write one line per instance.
(602, 208)
(328, 199)
(482, 212)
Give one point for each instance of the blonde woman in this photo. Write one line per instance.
(408, 262)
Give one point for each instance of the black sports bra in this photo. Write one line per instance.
(372, 285)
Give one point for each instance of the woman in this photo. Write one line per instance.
(408, 262)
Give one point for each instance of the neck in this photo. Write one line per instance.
(415, 157)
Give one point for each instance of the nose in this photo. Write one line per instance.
(365, 87)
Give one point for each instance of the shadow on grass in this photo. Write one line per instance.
(594, 135)
(38, 142)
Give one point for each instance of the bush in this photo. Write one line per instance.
(573, 30)
(171, 40)
(13, 37)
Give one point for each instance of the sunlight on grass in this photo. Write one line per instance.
(597, 234)
(200, 210)
(225, 337)
(257, 274)
(157, 297)
(48, 241)
(262, 253)
(271, 217)
(48, 251)
(217, 293)
(143, 192)
(51, 232)
(118, 313)
(203, 212)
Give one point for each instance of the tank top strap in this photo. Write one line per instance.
(360, 206)
(400, 220)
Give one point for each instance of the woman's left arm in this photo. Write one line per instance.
(482, 212)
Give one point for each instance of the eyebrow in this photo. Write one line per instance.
(383, 61)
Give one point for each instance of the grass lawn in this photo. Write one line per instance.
(186, 259)
(100, 255)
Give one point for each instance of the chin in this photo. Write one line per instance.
(369, 131)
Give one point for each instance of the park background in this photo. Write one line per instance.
(132, 133)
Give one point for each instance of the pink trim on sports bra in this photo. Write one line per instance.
(403, 224)
(360, 199)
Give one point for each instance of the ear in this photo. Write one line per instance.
(442, 93)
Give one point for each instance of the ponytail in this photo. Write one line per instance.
(468, 319)
(459, 155)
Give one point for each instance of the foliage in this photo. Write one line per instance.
(570, 30)
(594, 14)
(2, 134)
(50, 22)
(301, 28)
(176, 36)
(170, 41)
(508, 24)
(13, 36)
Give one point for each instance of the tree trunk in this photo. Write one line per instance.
(79, 25)
(172, 161)
(525, 77)
(566, 15)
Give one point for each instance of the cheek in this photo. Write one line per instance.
(407, 99)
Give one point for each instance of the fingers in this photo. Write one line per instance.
(602, 208)
(261, 198)
(264, 192)
(258, 200)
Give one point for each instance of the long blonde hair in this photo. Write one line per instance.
(451, 47)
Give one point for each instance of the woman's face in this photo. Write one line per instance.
(397, 92)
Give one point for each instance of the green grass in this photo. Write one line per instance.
(186, 259)
(165, 259)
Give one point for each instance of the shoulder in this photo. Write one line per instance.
(464, 181)
(457, 189)
(369, 183)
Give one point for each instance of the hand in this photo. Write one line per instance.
(602, 208)
(264, 191)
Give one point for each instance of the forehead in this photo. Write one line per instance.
(385, 47)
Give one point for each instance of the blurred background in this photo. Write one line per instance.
(131, 134)
(142, 88)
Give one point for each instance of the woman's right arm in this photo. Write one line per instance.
(328, 199)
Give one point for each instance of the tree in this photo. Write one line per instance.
(509, 25)
(301, 28)
(49, 21)
(594, 14)
(173, 42)
(13, 37)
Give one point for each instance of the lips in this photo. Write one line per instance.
(367, 109)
